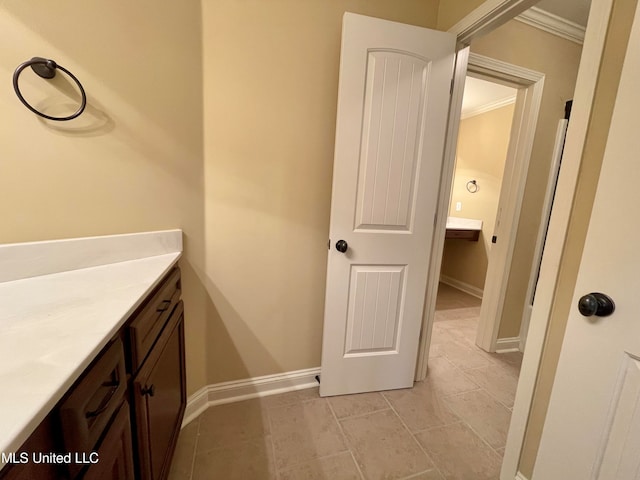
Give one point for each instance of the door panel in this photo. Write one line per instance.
(393, 100)
(394, 92)
(374, 309)
(592, 429)
(620, 446)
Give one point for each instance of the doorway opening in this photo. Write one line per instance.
(484, 137)
(476, 203)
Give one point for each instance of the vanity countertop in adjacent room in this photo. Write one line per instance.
(60, 303)
(463, 228)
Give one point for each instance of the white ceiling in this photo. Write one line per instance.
(480, 95)
(576, 11)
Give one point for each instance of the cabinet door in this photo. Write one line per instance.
(115, 454)
(160, 399)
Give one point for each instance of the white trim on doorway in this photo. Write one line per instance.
(523, 130)
(488, 16)
(506, 345)
(549, 195)
(529, 97)
(444, 198)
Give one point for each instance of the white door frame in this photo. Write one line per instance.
(530, 85)
(588, 74)
(486, 17)
(552, 181)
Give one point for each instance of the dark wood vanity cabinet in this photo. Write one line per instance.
(115, 451)
(121, 418)
(159, 400)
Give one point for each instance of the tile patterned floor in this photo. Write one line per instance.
(452, 426)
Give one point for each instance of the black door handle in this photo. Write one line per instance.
(597, 304)
(342, 246)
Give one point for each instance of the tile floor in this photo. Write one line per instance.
(451, 426)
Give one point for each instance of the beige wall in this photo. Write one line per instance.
(133, 161)
(558, 59)
(271, 75)
(254, 209)
(481, 153)
(452, 11)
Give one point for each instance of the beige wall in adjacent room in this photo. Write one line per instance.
(270, 77)
(558, 59)
(134, 160)
(482, 150)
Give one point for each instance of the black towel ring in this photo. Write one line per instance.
(46, 68)
(472, 186)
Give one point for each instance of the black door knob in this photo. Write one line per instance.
(342, 246)
(597, 304)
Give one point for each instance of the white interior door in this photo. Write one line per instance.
(592, 430)
(393, 100)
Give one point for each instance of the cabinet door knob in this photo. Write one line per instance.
(150, 390)
(597, 304)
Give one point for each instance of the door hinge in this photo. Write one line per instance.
(329, 245)
(451, 87)
(494, 239)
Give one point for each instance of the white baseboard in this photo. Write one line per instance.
(505, 345)
(237, 390)
(465, 287)
(520, 476)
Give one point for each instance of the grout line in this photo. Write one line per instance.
(314, 459)
(493, 363)
(422, 449)
(415, 475)
(360, 415)
(308, 460)
(483, 440)
(355, 462)
(346, 441)
(433, 427)
(459, 394)
(195, 449)
(293, 402)
(273, 447)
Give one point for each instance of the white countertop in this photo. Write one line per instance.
(457, 223)
(52, 325)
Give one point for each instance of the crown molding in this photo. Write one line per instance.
(553, 24)
(487, 107)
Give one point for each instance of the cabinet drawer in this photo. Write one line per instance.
(147, 324)
(90, 405)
